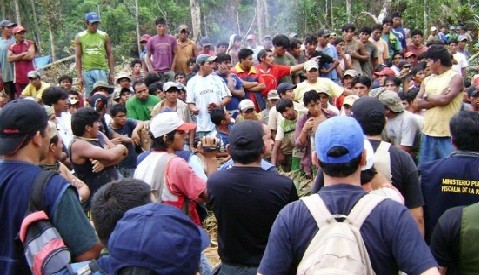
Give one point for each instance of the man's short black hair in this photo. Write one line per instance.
(348, 27)
(65, 77)
(226, 44)
(111, 201)
(162, 143)
(222, 57)
(160, 21)
(138, 82)
(282, 104)
(153, 88)
(134, 62)
(310, 96)
(281, 40)
(395, 80)
(438, 52)
(465, 131)
(365, 29)
(410, 95)
(417, 32)
(52, 94)
(151, 78)
(387, 20)
(295, 44)
(376, 27)
(262, 54)
(244, 53)
(366, 81)
(340, 170)
(310, 39)
(117, 108)
(82, 118)
(396, 15)
(217, 115)
(73, 92)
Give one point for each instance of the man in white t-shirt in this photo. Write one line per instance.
(205, 91)
(460, 62)
(402, 128)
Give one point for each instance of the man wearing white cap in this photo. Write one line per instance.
(171, 179)
(204, 92)
(314, 82)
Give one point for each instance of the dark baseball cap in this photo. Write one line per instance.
(368, 110)
(283, 87)
(19, 119)
(246, 135)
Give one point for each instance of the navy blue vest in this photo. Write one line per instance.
(16, 179)
(447, 183)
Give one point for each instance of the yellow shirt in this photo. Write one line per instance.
(323, 83)
(436, 119)
(30, 90)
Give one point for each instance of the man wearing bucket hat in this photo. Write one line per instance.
(402, 128)
(93, 54)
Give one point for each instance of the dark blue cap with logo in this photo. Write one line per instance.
(92, 17)
(19, 119)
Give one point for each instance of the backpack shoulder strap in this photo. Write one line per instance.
(318, 209)
(36, 202)
(383, 159)
(363, 208)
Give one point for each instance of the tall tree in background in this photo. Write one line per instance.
(16, 7)
(195, 18)
(37, 26)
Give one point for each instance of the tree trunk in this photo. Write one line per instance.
(16, 7)
(195, 18)
(332, 15)
(37, 30)
(348, 10)
(260, 19)
(137, 28)
(425, 15)
(52, 43)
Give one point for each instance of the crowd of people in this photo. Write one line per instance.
(381, 120)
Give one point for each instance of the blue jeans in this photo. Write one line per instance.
(91, 77)
(205, 266)
(433, 148)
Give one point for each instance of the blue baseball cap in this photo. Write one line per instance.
(92, 17)
(159, 237)
(339, 131)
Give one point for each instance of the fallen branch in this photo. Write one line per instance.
(58, 62)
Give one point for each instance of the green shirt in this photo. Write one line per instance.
(141, 110)
(93, 50)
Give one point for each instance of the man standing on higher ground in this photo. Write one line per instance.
(93, 55)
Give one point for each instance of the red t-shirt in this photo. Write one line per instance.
(22, 67)
(271, 76)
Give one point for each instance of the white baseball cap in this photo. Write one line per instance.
(166, 122)
(246, 104)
